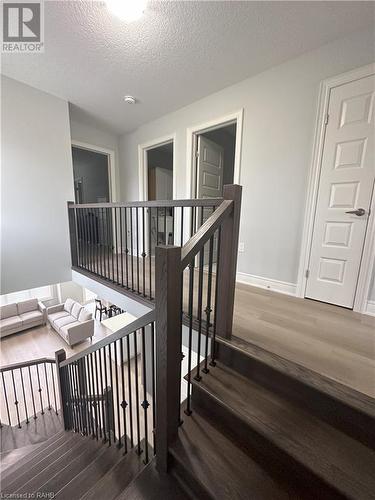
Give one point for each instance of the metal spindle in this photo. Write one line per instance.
(150, 248)
(200, 300)
(32, 392)
(6, 398)
(117, 396)
(182, 226)
(106, 398)
(154, 382)
(213, 362)
(137, 244)
(123, 403)
(40, 391)
(24, 396)
(126, 249)
(47, 387)
(131, 247)
(110, 228)
(54, 388)
(145, 404)
(190, 307)
(130, 392)
(208, 309)
(143, 251)
(139, 451)
(16, 402)
(102, 394)
(116, 242)
(121, 250)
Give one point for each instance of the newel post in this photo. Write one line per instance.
(168, 291)
(60, 356)
(228, 263)
(72, 218)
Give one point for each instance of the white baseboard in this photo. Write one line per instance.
(268, 283)
(370, 307)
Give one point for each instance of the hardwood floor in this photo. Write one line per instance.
(330, 340)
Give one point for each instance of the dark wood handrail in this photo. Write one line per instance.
(204, 233)
(144, 320)
(204, 202)
(25, 364)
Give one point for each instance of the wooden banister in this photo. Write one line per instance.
(204, 202)
(204, 233)
(25, 364)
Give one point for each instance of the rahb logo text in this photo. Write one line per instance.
(23, 27)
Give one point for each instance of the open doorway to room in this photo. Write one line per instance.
(91, 171)
(160, 172)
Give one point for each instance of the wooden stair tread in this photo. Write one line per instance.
(224, 470)
(89, 476)
(150, 485)
(47, 447)
(117, 478)
(333, 456)
(343, 393)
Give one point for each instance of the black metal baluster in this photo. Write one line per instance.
(40, 391)
(200, 300)
(106, 397)
(192, 221)
(131, 247)
(139, 451)
(143, 252)
(32, 392)
(24, 396)
(165, 226)
(85, 394)
(116, 240)
(53, 387)
(126, 249)
(137, 243)
(191, 290)
(117, 395)
(150, 248)
(123, 403)
(104, 242)
(208, 309)
(94, 391)
(47, 387)
(153, 383)
(130, 392)
(89, 229)
(92, 238)
(157, 225)
(145, 404)
(102, 395)
(121, 250)
(182, 226)
(6, 398)
(16, 402)
(172, 227)
(112, 391)
(213, 362)
(75, 398)
(112, 245)
(72, 397)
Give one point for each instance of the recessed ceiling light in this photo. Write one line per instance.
(127, 10)
(129, 99)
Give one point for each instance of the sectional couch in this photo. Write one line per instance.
(71, 321)
(20, 316)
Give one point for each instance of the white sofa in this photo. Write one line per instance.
(71, 321)
(20, 316)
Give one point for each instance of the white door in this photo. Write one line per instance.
(345, 191)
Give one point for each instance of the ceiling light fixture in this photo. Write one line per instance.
(127, 10)
(129, 99)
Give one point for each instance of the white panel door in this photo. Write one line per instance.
(345, 191)
(210, 166)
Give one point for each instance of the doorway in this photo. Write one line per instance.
(341, 247)
(91, 176)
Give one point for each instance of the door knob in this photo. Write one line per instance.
(358, 211)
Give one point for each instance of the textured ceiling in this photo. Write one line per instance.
(177, 53)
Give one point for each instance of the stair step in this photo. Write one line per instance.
(220, 469)
(269, 421)
(14, 457)
(339, 405)
(29, 461)
(150, 485)
(117, 478)
(33, 469)
(89, 476)
(68, 467)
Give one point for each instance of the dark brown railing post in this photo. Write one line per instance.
(72, 218)
(60, 356)
(168, 331)
(228, 263)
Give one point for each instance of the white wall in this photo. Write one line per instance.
(95, 135)
(280, 108)
(37, 182)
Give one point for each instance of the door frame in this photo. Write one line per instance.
(192, 141)
(368, 255)
(111, 164)
(142, 163)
